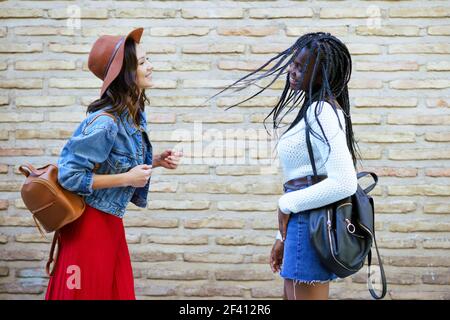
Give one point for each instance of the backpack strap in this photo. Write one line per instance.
(374, 176)
(102, 114)
(51, 254)
(383, 275)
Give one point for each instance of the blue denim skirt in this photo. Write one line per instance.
(300, 260)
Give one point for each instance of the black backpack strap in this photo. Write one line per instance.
(383, 275)
(374, 176)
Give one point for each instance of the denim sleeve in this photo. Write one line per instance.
(90, 146)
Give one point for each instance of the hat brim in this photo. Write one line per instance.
(116, 64)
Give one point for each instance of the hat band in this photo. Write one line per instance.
(116, 48)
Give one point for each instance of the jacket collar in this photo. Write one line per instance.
(128, 122)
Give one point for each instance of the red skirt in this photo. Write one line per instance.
(93, 261)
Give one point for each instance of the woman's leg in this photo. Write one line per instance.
(303, 291)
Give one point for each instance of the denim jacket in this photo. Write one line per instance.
(111, 147)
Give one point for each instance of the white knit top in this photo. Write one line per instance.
(341, 181)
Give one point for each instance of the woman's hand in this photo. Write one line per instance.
(283, 220)
(169, 159)
(138, 176)
(276, 255)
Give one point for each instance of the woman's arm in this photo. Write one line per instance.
(102, 181)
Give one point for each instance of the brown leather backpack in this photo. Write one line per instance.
(51, 206)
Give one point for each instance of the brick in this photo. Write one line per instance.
(3, 239)
(191, 66)
(395, 277)
(156, 290)
(365, 84)
(17, 255)
(436, 208)
(75, 83)
(96, 13)
(66, 116)
(419, 226)
(179, 31)
(399, 294)
(419, 12)
(159, 48)
(4, 204)
(69, 48)
(409, 31)
(31, 273)
(388, 66)
(4, 101)
(179, 205)
(437, 172)
(273, 291)
(21, 84)
(242, 240)
(438, 66)
(178, 274)
(31, 237)
(212, 118)
(393, 171)
(21, 13)
(164, 187)
(244, 275)
(20, 48)
(426, 190)
(248, 31)
(213, 48)
(3, 32)
(188, 169)
(437, 136)
(269, 48)
(438, 103)
(153, 13)
(179, 101)
(419, 84)
(4, 271)
(436, 243)
(151, 256)
(212, 290)
(214, 223)
(277, 13)
(334, 30)
(150, 222)
(245, 170)
(42, 31)
(100, 31)
(418, 154)
(21, 152)
(439, 30)
(43, 65)
(418, 261)
(396, 243)
(246, 206)
(44, 101)
(363, 48)
(262, 224)
(418, 119)
(213, 258)
(247, 65)
(395, 207)
(212, 13)
(386, 137)
(419, 48)
(436, 277)
(23, 287)
(43, 134)
(255, 102)
(14, 221)
(184, 240)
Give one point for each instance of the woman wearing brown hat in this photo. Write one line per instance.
(108, 160)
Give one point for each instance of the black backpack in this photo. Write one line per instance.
(343, 232)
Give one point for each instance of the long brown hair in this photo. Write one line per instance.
(123, 93)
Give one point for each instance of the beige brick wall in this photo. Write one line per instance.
(209, 226)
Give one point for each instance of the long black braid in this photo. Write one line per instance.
(334, 63)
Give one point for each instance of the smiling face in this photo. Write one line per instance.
(144, 69)
(301, 69)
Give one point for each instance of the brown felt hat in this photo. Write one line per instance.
(106, 56)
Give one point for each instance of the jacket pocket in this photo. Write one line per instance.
(119, 161)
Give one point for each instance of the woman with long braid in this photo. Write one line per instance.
(317, 68)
